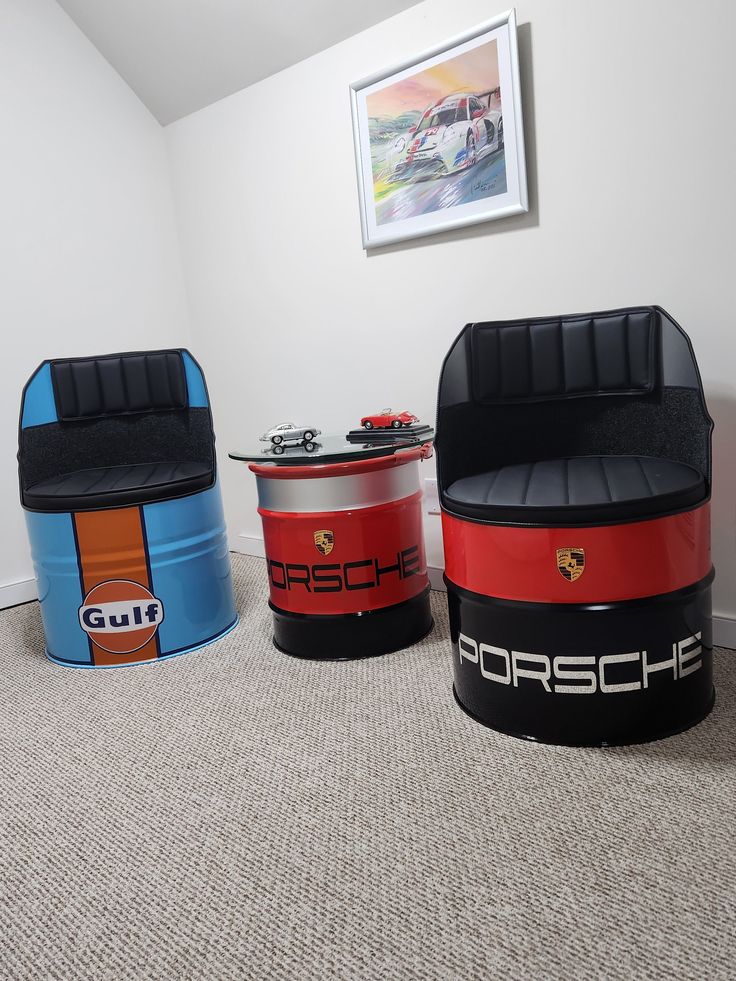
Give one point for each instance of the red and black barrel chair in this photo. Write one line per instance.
(574, 470)
(118, 480)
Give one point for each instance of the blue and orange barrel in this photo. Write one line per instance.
(123, 509)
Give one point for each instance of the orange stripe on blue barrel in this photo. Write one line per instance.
(120, 614)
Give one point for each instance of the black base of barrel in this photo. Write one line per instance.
(350, 636)
(593, 745)
(584, 675)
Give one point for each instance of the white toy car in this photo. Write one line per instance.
(286, 433)
(450, 136)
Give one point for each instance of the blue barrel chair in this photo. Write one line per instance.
(118, 479)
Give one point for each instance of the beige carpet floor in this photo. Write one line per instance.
(236, 813)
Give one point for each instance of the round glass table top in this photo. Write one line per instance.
(334, 448)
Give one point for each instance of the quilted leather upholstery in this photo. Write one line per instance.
(120, 486)
(593, 488)
(602, 354)
(86, 388)
(124, 433)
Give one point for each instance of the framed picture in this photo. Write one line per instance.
(439, 141)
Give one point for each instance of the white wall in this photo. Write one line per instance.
(629, 110)
(89, 255)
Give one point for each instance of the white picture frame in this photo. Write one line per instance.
(439, 163)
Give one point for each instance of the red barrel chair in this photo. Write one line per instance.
(574, 466)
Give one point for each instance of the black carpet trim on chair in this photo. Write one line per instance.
(59, 458)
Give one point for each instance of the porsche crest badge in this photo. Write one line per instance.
(571, 563)
(325, 541)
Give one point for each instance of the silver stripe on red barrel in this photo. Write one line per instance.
(339, 493)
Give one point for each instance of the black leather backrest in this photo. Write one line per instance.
(88, 388)
(613, 382)
(566, 357)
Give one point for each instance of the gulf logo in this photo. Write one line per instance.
(120, 615)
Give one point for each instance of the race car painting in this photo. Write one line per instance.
(453, 134)
(388, 419)
(439, 138)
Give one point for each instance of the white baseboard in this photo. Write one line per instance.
(15, 593)
(724, 632)
(247, 545)
(724, 628)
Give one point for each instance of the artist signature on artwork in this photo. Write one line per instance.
(483, 187)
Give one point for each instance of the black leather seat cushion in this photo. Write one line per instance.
(578, 490)
(123, 486)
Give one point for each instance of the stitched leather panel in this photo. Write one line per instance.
(87, 388)
(119, 486)
(578, 489)
(613, 353)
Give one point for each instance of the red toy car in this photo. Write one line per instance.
(388, 419)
